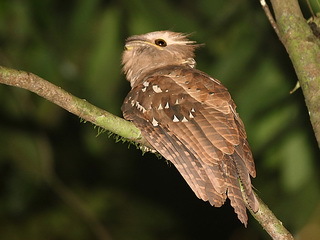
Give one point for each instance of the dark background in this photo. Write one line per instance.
(60, 179)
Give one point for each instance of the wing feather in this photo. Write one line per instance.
(190, 119)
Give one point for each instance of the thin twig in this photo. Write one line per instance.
(66, 194)
(270, 17)
(80, 208)
(310, 8)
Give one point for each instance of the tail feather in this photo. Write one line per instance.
(242, 172)
(235, 195)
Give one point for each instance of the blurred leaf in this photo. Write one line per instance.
(101, 79)
(296, 162)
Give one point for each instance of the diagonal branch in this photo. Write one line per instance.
(303, 48)
(270, 223)
(268, 13)
(77, 106)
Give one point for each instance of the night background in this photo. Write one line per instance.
(60, 178)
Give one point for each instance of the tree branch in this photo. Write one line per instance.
(77, 106)
(303, 48)
(270, 223)
(270, 17)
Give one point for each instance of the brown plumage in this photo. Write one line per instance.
(189, 118)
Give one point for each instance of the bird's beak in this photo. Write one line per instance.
(128, 48)
(130, 45)
(133, 43)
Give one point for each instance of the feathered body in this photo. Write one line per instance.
(189, 118)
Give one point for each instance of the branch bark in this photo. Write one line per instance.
(270, 223)
(303, 48)
(77, 106)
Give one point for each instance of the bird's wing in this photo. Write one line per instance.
(190, 119)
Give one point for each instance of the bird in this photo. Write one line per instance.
(189, 118)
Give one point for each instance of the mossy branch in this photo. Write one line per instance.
(75, 105)
(270, 223)
(303, 47)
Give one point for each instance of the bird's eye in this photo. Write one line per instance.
(160, 42)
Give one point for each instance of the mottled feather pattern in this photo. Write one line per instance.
(209, 139)
(190, 119)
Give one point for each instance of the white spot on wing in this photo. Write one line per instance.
(190, 115)
(184, 119)
(154, 122)
(160, 107)
(146, 84)
(166, 106)
(144, 89)
(175, 119)
(156, 89)
(140, 107)
(177, 101)
(192, 110)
